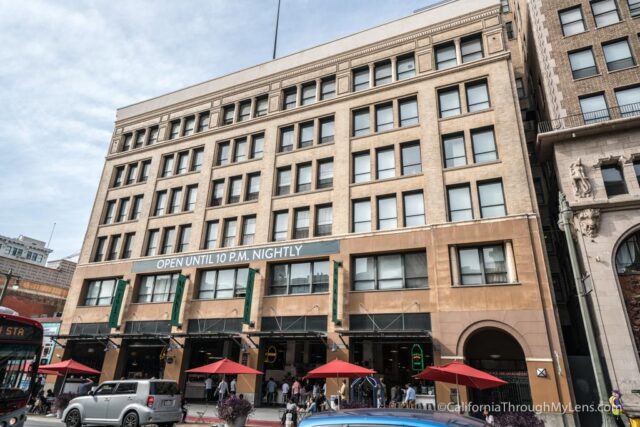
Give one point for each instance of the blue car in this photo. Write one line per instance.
(388, 418)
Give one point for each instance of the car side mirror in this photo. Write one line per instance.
(90, 393)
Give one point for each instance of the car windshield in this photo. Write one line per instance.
(163, 388)
(15, 370)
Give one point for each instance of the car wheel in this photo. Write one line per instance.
(73, 418)
(130, 420)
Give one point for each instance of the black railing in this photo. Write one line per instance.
(577, 120)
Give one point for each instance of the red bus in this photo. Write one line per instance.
(20, 347)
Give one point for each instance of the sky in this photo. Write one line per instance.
(67, 65)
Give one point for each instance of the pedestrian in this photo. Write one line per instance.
(223, 389)
(382, 393)
(410, 397)
(285, 392)
(208, 389)
(343, 391)
(295, 388)
(488, 418)
(615, 402)
(315, 390)
(271, 391)
(232, 387)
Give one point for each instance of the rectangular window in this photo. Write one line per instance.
(361, 167)
(217, 195)
(361, 122)
(211, 238)
(228, 114)
(283, 184)
(618, 55)
(183, 162)
(144, 172)
(139, 139)
(491, 199)
(109, 212)
(446, 56)
(471, 48)
(484, 145)
(361, 216)
(175, 129)
(235, 189)
(223, 153)
(230, 232)
(127, 249)
(280, 225)
(305, 138)
(153, 135)
(248, 230)
(241, 151)
(613, 178)
(161, 201)
(197, 157)
(583, 64)
(308, 93)
(482, 265)
(301, 226)
(118, 176)
(406, 66)
(286, 139)
(411, 163)
(594, 108)
(190, 200)
(393, 271)
(572, 21)
(126, 142)
(100, 292)
(509, 27)
(183, 240)
(324, 220)
(325, 174)
(122, 212)
(253, 187)
(203, 121)
(132, 174)
(454, 150)
(176, 200)
(387, 213)
(477, 96)
(361, 79)
(328, 88)
(299, 278)
(168, 239)
(167, 167)
(408, 112)
(460, 203)
(257, 146)
(189, 125)
(136, 208)
(605, 12)
(413, 209)
(222, 284)
(114, 248)
(303, 179)
(262, 105)
(327, 130)
(382, 73)
(152, 243)
(100, 248)
(449, 102)
(634, 7)
(160, 288)
(636, 169)
(504, 6)
(290, 98)
(386, 163)
(244, 111)
(628, 101)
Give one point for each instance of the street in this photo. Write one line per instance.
(39, 421)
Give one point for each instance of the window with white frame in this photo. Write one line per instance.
(100, 292)
(158, 288)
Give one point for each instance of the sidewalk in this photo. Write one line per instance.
(262, 417)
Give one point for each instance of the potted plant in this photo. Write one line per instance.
(61, 402)
(234, 411)
(518, 419)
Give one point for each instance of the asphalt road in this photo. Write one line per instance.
(43, 422)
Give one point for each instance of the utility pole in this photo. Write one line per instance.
(565, 223)
(8, 276)
(275, 39)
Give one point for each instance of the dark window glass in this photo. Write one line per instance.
(203, 121)
(290, 98)
(228, 114)
(189, 125)
(299, 278)
(183, 240)
(217, 195)
(471, 48)
(100, 248)
(634, 7)
(223, 153)
(167, 167)
(614, 182)
(152, 242)
(241, 150)
(211, 237)
(262, 105)
(175, 129)
(168, 240)
(244, 111)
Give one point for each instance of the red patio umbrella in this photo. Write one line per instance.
(224, 366)
(460, 374)
(67, 367)
(339, 369)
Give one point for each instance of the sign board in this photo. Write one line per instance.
(248, 297)
(116, 305)
(237, 256)
(417, 358)
(271, 354)
(334, 296)
(177, 301)
(48, 345)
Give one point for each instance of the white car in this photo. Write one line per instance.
(127, 403)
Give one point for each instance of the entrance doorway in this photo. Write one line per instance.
(89, 353)
(200, 352)
(498, 353)
(143, 359)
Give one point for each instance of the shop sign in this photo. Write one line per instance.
(177, 300)
(117, 303)
(238, 256)
(248, 297)
(417, 358)
(48, 345)
(271, 354)
(334, 300)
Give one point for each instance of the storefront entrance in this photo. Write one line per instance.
(200, 352)
(143, 359)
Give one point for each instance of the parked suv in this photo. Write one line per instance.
(129, 403)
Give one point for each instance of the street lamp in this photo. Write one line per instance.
(7, 279)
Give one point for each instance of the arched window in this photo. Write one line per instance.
(628, 256)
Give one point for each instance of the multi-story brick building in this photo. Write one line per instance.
(589, 87)
(378, 186)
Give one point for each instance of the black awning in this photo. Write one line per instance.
(142, 336)
(81, 337)
(287, 334)
(387, 334)
(207, 335)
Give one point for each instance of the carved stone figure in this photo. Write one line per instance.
(589, 222)
(581, 184)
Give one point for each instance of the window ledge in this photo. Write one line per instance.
(296, 295)
(298, 150)
(473, 165)
(486, 285)
(151, 218)
(231, 164)
(163, 178)
(152, 302)
(620, 20)
(129, 221)
(385, 132)
(227, 205)
(214, 299)
(127, 185)
(93, 306)
(465, 115)
(303, 193)
(354, 291)
(576, 34)
(588, 77)
(622, 69)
